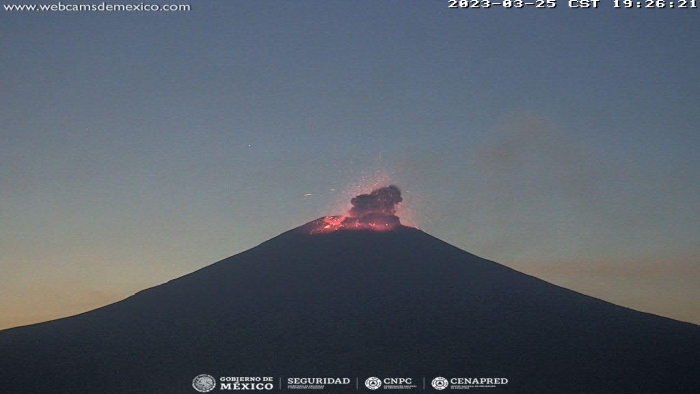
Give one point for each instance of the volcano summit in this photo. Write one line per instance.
(373, 211)
(355, 303)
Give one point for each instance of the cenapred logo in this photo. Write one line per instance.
(204, 383)
(373, 383)
(440, 383)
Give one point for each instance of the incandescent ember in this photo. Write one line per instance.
(373, 211)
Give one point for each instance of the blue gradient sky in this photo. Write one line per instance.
(138, 147)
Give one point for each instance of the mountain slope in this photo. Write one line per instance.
(355, 303)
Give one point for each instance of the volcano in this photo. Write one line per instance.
(355, 303)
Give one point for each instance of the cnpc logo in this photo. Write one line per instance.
(374, 383)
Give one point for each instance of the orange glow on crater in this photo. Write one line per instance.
(374, 211)
(335, 223)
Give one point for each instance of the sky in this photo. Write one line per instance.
(137, 147)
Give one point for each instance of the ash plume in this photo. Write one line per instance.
(381, 201)
(373, 211)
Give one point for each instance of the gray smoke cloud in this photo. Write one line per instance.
(381, 201)
(376, 210)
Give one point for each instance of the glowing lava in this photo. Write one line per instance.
(374, 211)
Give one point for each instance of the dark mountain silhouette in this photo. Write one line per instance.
(355, 303)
